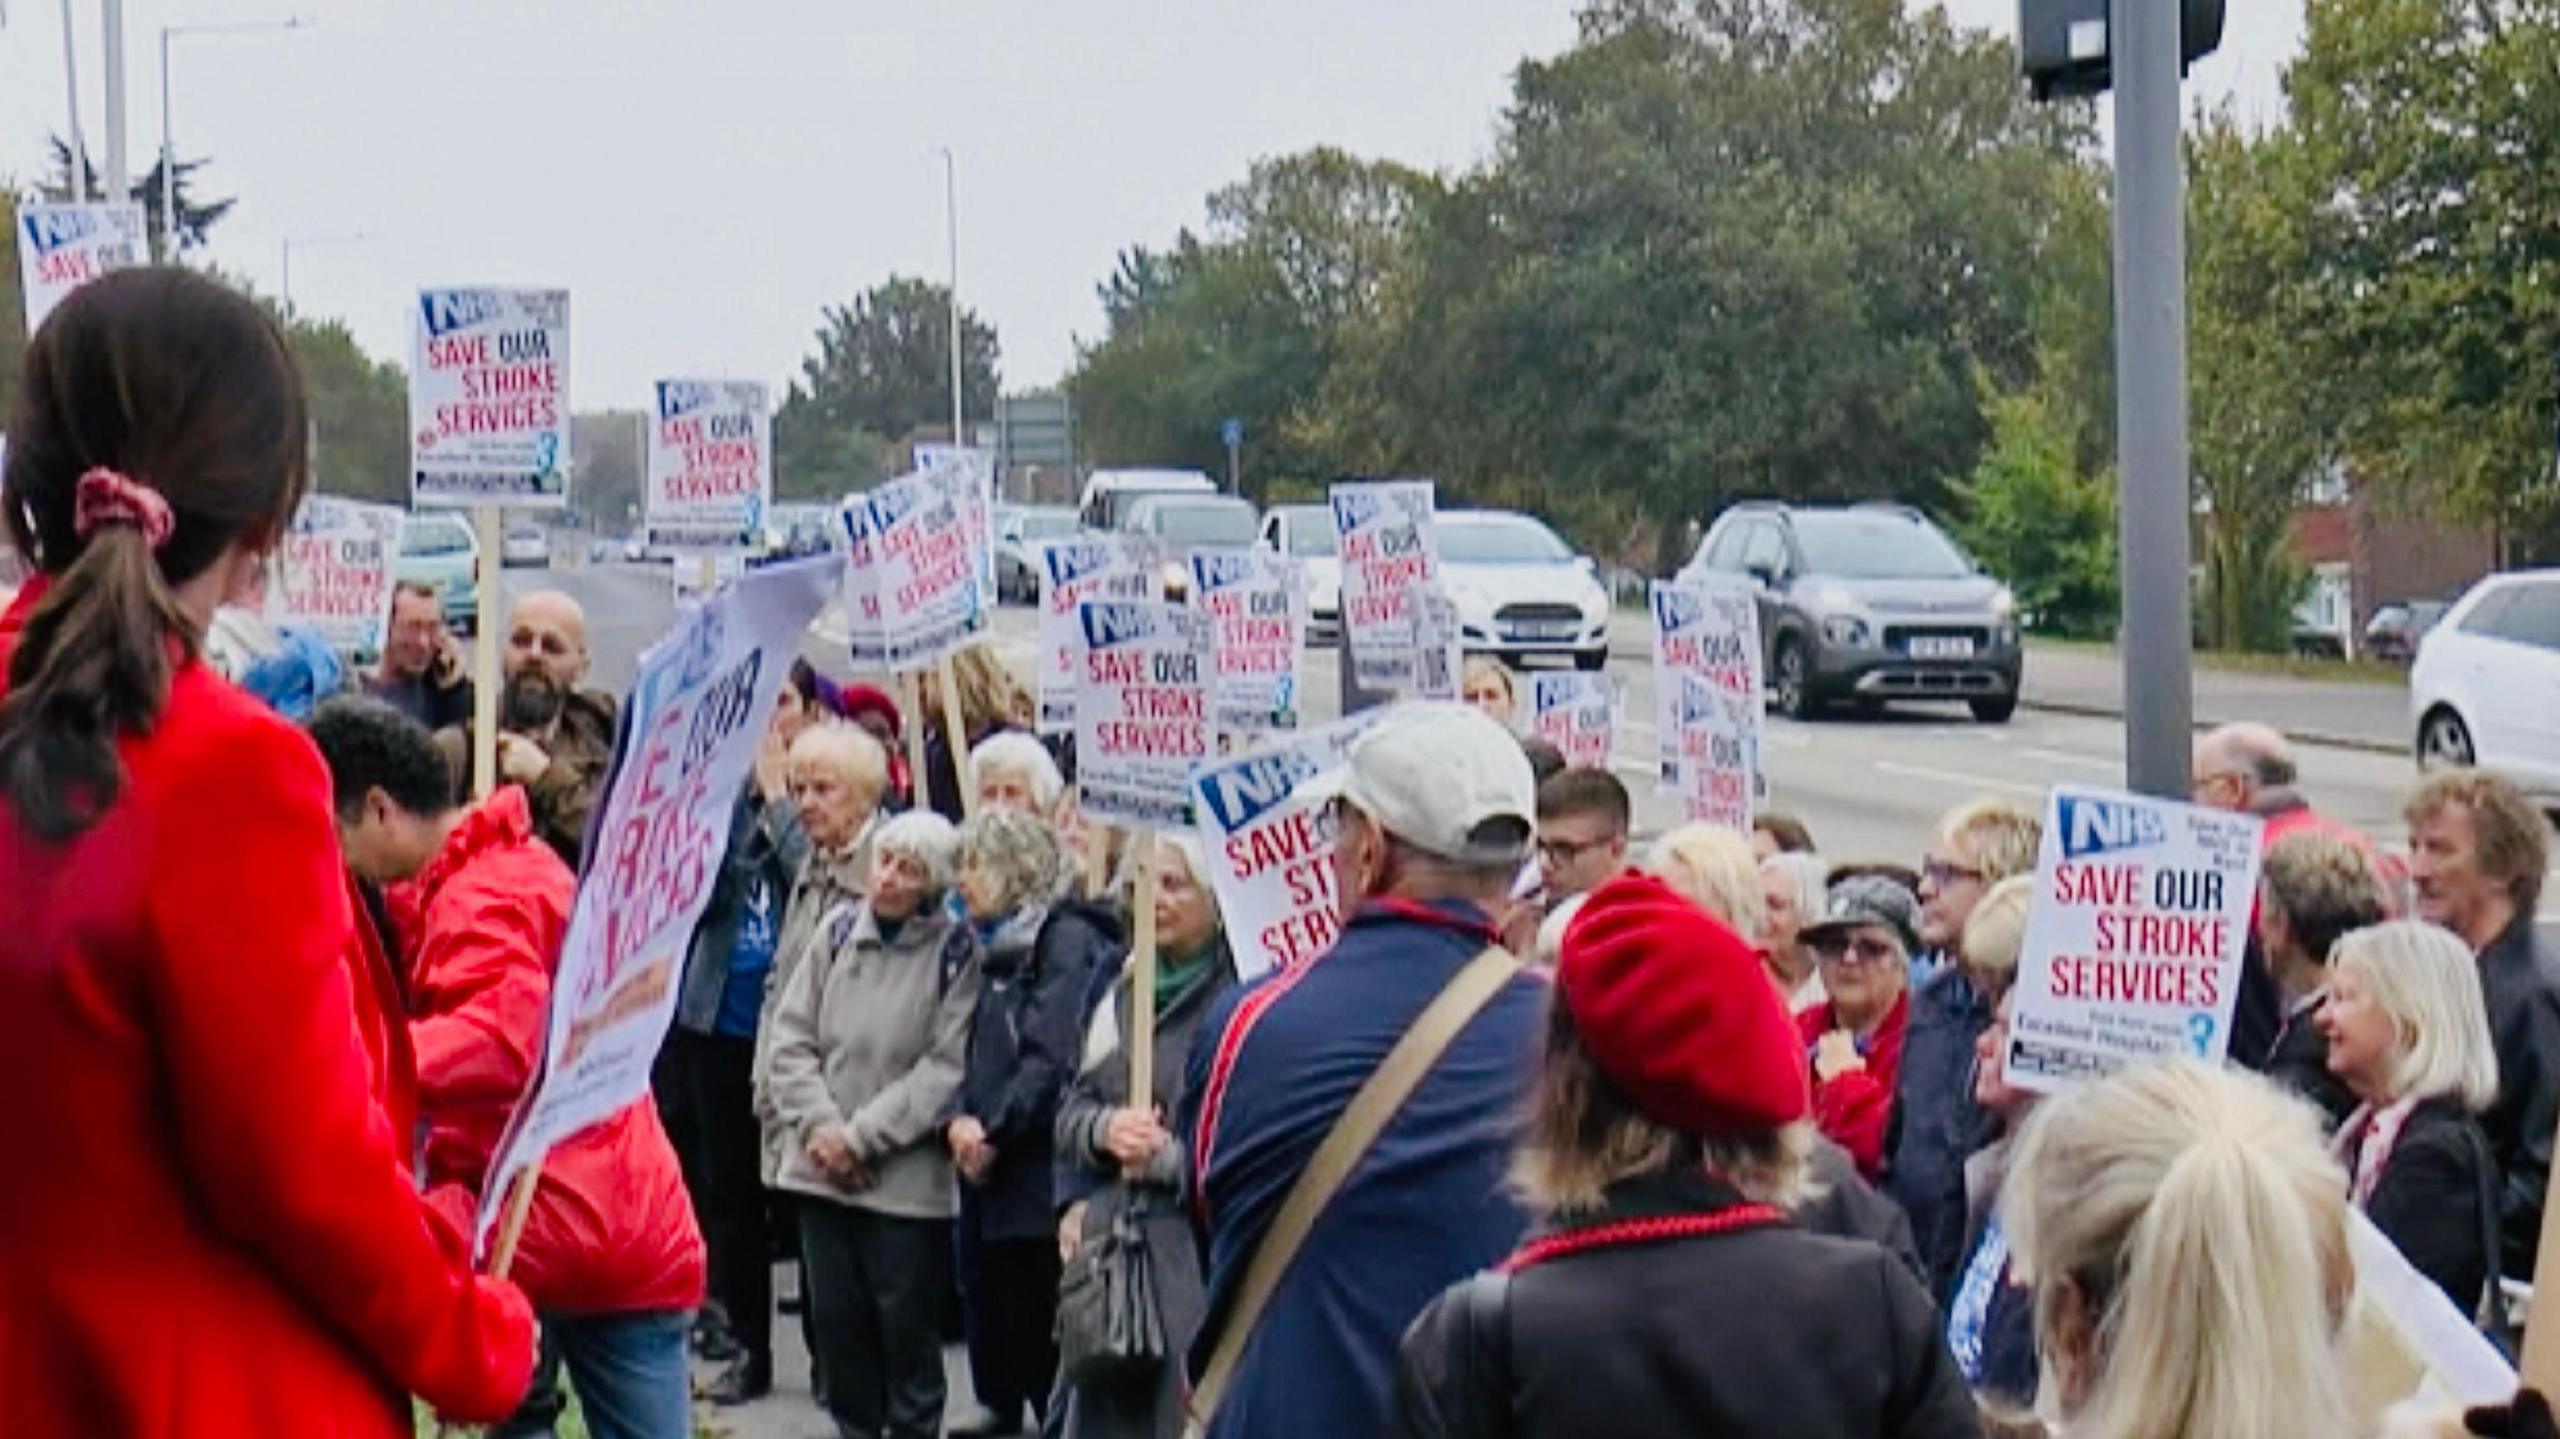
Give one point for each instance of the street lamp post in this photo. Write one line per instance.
(168, 148)
(951, 222)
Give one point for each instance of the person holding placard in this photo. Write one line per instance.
(1853, 1039)
(610, 1253)
(204, 1183)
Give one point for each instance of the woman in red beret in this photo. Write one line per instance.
(1666, 1292)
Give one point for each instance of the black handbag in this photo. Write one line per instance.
(2492, 1316)
(1110, 1317)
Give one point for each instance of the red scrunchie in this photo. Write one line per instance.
(111, 497)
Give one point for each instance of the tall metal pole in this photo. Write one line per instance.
(168, 162)
(951, 217)
(119, 178)
(2151, 397)
(71, 88)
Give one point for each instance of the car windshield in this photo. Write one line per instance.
(1499, 540)
(1204, 524)
(1877, 546)
(524, 534)
(434, 536)
(1311, 534)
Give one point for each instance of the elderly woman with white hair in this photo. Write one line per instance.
(1012, 770)
(2409, 1036)
(1792, 888)
(868, 1047)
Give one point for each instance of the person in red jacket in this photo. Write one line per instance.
(1853, 1039)
(208, 1231)
(610, 1253)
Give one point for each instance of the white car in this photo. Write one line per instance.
(524, 545)
(2485, 689)
(1306, 532)
(1520, 590)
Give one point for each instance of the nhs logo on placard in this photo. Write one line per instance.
(451, 310)
(1355, 509)
(683, 397)
(2101, 826)
(50, 230)
(1221, 572)
(1699, 701)
(1107, 626)
(1246, 790)
(891, 503)
(1675, 609)
(1072, 560)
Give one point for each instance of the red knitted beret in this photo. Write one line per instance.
(1677, 1012)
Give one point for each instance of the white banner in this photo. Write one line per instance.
(1577, 713)
(334, 573)
(981, 502)
(698, 709)
(62, 247)
(1708, 630)
(912, 581)
(710, 465)
(1090, 566)
(489, 398)
(1256, 605)
(2134, 938)
(1390, 559)
(1142, 713)
(1719, 733)
(1270, 854)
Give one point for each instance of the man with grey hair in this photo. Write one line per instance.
(1431, 818)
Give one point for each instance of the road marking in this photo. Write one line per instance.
(2064, 756)
(1957, 778)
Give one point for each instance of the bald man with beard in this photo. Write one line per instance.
(555, 738)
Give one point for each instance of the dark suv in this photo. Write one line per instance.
(1867, 603)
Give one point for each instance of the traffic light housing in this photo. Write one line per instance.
(2065, 45)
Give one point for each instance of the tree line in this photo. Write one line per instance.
(1828, 249)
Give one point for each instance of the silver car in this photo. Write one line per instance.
(1868, 603)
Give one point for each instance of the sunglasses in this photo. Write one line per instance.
(1853, 949)
(1942, 874)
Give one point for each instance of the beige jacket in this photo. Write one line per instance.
(823, 901)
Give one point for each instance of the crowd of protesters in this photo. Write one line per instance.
(1564, 1136)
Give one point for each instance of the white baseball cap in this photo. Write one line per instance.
(1442, 777)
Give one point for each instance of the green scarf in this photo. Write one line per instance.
(1176, 978)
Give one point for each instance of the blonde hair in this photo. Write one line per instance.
(2188, 1223)
(1998, 836)
(1712, 867)
(990, 695)
(1995, 934)
(2425, 979)
(1487, 667)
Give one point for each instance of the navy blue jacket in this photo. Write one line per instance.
(1936, 1124)
(1273, 1066)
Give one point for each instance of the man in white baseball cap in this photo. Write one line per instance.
(1433, 815)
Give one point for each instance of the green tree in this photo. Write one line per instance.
(2433, 128)
(2039, 520)
(882, 371)
(195, 217)
(359, 411)
(609, 450)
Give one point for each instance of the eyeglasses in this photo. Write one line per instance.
(1943, 874)
(1853, 949)
(1566, 851)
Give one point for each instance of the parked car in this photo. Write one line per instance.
(1181, 523)
(1306, 532)
(524, 546)
(1108, 494)
(1020, 530)
(636, 550)
(2392, 635)
(1867, 603)
(1520, 589)
(2485, 689)
(437, 548)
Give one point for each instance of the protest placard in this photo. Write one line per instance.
(981, 502)
(334, 572)
(1270, 853)
(1719, 738)
(912, 580)
(1142, 713)
(62, 247)
(710, 465)
(1256, 605)
(1390, 559)
(1074, 569)
(2134, 937)
(1707, 629)
(489, 398)
(698, 709)
(1577, 713)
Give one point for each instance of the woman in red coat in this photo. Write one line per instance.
(1853, 1039)
(206, 1229)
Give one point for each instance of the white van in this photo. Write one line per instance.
(1109, 493)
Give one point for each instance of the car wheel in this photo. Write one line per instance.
(1592, 661)
(2444, 742)
(1791, 681)
(1995, 710)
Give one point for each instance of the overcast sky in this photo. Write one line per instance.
(704, 177)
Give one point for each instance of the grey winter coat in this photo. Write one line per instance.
(870, 1037)
(1146, 1409)
(829, 889)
